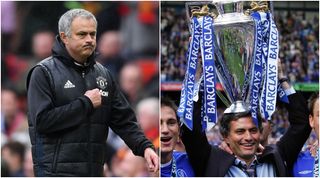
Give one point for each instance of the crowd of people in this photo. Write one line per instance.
(299, 44)
(134, 66)
(174, 44)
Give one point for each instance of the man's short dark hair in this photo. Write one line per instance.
(224, 123)
(312, 100)
(169, 103)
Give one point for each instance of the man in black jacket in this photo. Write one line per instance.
(243, 137)
(73, 100)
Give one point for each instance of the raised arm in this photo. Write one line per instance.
(196, 143)
(299, 130)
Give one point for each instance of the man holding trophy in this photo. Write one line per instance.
(241, 51)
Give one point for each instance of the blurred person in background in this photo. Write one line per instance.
(42, 43)
(109, 48)
(14, 123)
(131, 82)
(173, 162)
(28, 164)
(307, 164)
(125, 164)
(4, 168)
(8, 24)
(132, 166)
(114, 168)
(148, 118)
(140, 29)
(74, 99)
(13, 153)
(110, 154)
(110, 15)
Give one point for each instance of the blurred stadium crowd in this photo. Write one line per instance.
(128, 43)
(299, 54)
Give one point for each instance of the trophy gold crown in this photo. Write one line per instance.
(203, 9)
(258, 6)
(203, 12)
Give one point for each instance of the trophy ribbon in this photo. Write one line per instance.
(270, 50)
(207, 49)
(271, 70)
(203, 37)
(185, 110)
(257, 68)
(265, 67)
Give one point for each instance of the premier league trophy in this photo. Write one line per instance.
(239, 50)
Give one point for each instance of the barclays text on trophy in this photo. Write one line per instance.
(237, 49)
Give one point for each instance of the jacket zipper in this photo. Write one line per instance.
(55, 159)
(88, 122)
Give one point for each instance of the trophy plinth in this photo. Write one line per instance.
(237, 107)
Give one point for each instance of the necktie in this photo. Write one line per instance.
(250, 170)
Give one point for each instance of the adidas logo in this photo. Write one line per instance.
(69, 85)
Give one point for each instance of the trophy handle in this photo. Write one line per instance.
(196, 7)
(258, 6)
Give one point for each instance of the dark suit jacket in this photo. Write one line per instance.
(208, 160)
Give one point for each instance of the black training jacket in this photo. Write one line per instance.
(68, 135)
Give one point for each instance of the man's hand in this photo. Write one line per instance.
(260, 150)
(94, 96)
(152, 159)
(225, 147)
(285, 85)
(280, 70)
(313, 148)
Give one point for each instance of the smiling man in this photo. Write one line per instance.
(72, 102)
(173, 163)
(242, 136)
